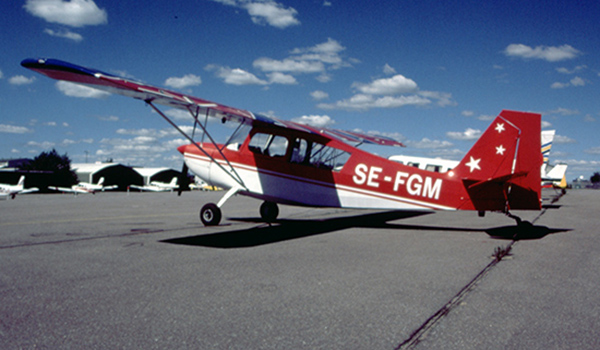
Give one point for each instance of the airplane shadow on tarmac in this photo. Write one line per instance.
(287, 229)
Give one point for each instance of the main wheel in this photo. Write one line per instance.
(269, 211)
(210, 214)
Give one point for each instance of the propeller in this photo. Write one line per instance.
(184, 179)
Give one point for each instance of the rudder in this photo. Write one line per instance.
(502, 170)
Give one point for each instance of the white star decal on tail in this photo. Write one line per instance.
(500, 150)
(473, 164)
(500, 127)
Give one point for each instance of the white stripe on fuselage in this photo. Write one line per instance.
(308, 190)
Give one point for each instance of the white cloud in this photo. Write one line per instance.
(469, 134)
(1, 75)
(564, 70)
(280, 78)
(319, 95)
(290, 65)
(558, 85)
(110, 118)
(576, 81)
(548, 53)
(21, 80)
(319, 121)
(41, 145)
(183, 82)
(266, 12)
(74, 13)
(426, 143)
(365, 102)
(272, 13)
(560, 139)
(65, 34)
(12, 129)
(397, 84)
(307, 60)
(144, 147)
(76, 90)
(593, 150)
(237, 76)
(562, 111)
(387, 69)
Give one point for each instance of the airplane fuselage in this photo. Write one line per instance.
(360, 180)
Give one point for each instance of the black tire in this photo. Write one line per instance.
(269, 211)
(210, 215)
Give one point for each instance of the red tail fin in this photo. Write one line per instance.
(502, 170)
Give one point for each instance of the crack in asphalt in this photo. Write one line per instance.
(419, 334)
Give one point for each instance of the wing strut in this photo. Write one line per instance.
(234, 175)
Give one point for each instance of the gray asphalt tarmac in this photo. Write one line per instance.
(139, 271)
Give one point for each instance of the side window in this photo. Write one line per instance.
(268, 145)
(432, 167)
(325, 157)
(299, 151)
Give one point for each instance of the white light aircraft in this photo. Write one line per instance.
(85, 187)
(158, 186)
(11, 191)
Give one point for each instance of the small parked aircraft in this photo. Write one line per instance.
(8, 190)
(85, 187)
(158, 186)
(284, 162)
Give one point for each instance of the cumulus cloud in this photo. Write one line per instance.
(427, 143)
(76, 90)
(397, 84)
(319, 121)
(41, 145)
(12, 129)
(266, 12)
(144, 146)
(74, 13)
(307, 60)
(21, 80)
(547, 53)
(183, 82)
(319, 95)
(469, 134)
(281, 78)
(576, 81)
(290, 65)
(561, 139)
(65, 34)
(365, 102)
(236, 76)
(387, 69)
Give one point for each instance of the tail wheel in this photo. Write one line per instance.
(269, 211)
(210, 215)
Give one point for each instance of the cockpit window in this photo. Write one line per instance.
(268, 144)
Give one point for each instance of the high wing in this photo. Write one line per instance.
(61, 70)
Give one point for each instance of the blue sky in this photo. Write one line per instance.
(429, 73)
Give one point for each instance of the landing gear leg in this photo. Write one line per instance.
(210, 214)
(269, 211)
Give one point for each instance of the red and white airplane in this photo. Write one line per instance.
(284, 162)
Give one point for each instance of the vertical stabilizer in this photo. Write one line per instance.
(502, 170)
